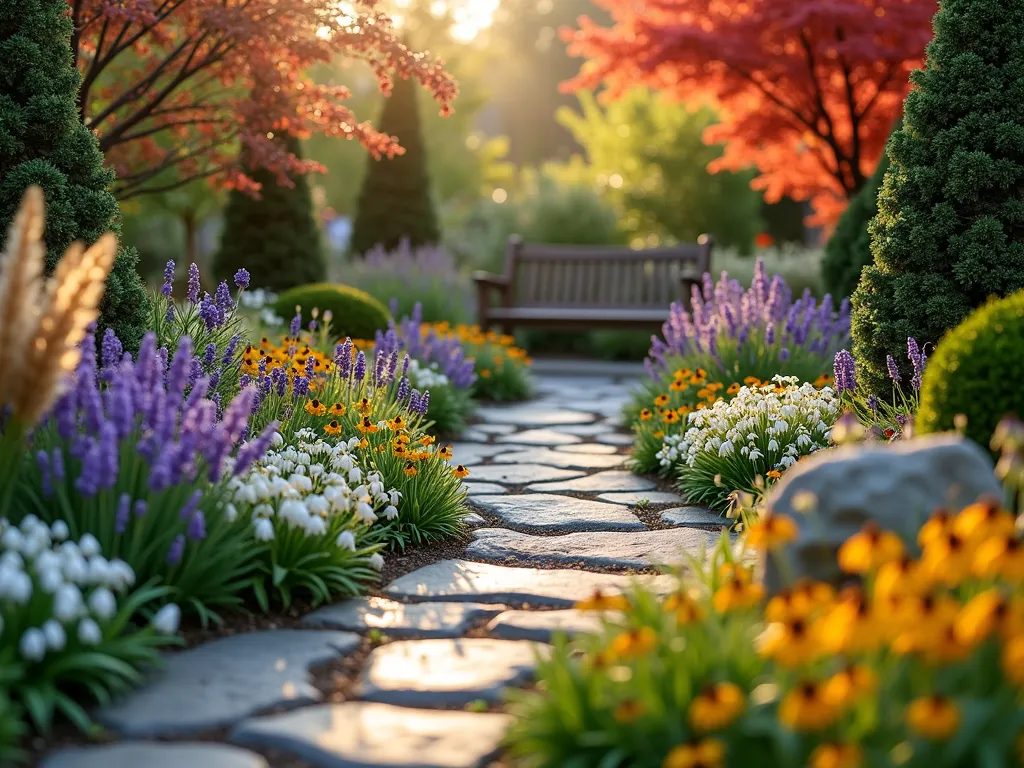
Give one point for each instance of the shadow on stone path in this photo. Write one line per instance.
(556, 522)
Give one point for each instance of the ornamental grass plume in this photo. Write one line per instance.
(42, 323)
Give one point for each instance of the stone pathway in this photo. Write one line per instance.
(556, 517)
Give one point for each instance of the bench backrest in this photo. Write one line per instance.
(545, 275)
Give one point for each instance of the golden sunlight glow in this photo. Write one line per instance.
(471, 17)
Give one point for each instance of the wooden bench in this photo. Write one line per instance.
(578, 287)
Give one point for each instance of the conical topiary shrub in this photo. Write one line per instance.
(274, 236)
(43, 141)
(950, 226)
(395, 203)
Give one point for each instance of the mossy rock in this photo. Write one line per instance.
(354, 313)
(977, 370)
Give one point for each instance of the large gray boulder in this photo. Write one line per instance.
(832, 494)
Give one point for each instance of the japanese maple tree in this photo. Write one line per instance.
(176, 89)
(807, 91)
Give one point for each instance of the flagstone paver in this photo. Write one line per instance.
(694, 516)
(546, 437)
(540, 626)
(225, 680)
(446, 673)
(627, 549)
(484, 489)
(545, 512)
(632, 498)
(521, 474)
(464, 580)
(587, 430)
(369, 735)
(533, 415)
(473, 520)
(155, 755)
(399, 619)
(495, 428)
(599, 482)
(474, 453)
(562, 459)
(593, 448)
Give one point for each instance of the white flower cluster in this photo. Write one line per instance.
(774, 423)
(304, 485)
(426, 377)
(257, 298)
(38, 564)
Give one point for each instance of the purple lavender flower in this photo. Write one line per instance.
(845, 372)
(343, 358)
(195, 370)
(43, 462)
(360, 372)
(253, 450)
(211, 314)
(414, 402)
(784, 354)
(873, 403)
(177, 550)
(193, 283)
(140, 508)
(378, 368)
(168, 286)
(424, 404)
(232, 347)
(894, 371)
(312, 326)
(196, 530)
(295, 325)
(111, 350)
(242, 279)
(169, 314)
(917, 360)
(403, 390)
(310, 366)
(191, 505)
(57, 463)
(178, 377)
(124, 504)
(209, 354)
(405, 364)
(300, 387)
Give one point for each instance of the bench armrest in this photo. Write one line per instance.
(486, 285)
(490, 280)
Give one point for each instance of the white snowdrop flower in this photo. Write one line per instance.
(300, 483)
(32, 646)
(315, 526)
(380, 498)
(365, 512)
(121, 574)
(279, 487)
(276, 440)
(263, 510)
(773, 445)
(67, 603)
(50, 579)
(390, 512)
(787, 461)
(725, 449)
(360, 492)
(301, 469)
(99, 569)
(294, 511)
(316, 470)
(167, 619)
(246, 494)
(395, 496)
(376, 488)
(317, 504)
(802, 441)
(263, 530)
(355, 475)
(89, 545)
(54, 634)
(89, 632)
(12, 540)
(382, 424)
(60, 530)
(29, 523)
(230, 512)
(102, 603)
(11, 559)
(376, 561)
(46, 560)
(334, 478)
(16, 586)
(261, 488)
(755, 454)
(346, 540)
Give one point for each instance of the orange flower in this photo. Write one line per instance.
(445, 452)
(645, 414)
(772, 531)
(716, 707)
(600, 601)
(315, 408)
(410, 469)
(934, 717)
(338, 409)
(334, 428)
(634, 642)
(764, 240)
(460, 471)
(661, 400)
(836, 756)
(733, 388)
(865, 551)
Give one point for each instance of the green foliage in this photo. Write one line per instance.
(502, 370)
(950, 226)
(44, 142)
(275, 237)
(354, 313)
(395, 203)
(977, 370)
(449, 410)
(849, 249)
(12, 726)
(647, 156)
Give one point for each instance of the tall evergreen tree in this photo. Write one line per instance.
(950, 226)
(43, 141)
(274, 236)
(849, 249)
(395, 202)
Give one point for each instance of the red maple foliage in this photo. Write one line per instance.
(177, 89)
(807, 90)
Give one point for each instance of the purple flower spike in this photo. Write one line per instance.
(894, 371)
(177, 550)
(193, 283)
(169, 314)
(140, 508)
(343, 359)
(295, 325)
(424, 404)
(360, 372)
(111, 349)
(178, 377)
(917, 360)
(124, 506)
(403, 390)
(242, 279)
(209, 354)
(43, 462)
(845, 372)
(196, 527)
(168, 285)
(212, 315)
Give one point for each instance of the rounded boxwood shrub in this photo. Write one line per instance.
(354, 313)
(977, 371)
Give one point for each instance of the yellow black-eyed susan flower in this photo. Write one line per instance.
(933, 717)
(678, 385)
(445, 452)
(410, 469)
(603, 601)
(364, 405)
(752, 381)
(791, 643)
(629, 710)
(334, 428)
(364, 443)
(683, 373)
(733, 388)
(315, 408)
(850, 685)
(706, 753)
(939, 524)
(671, 417)
(426, 440)
(807, 708)
(460, 471)
(634, 642)
(646, 414)
(485, 374)
(661, 400)
(736, 594)
(1000, 556)
(366, 426)
(772, 531)
(850, 625)
(871, 547)
(658, 434)
(399, 449)
(397, 424)
(983, 519)
(716, 707)
(773, 474)
(835, 755)
(1012, 660)
(338, 409)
